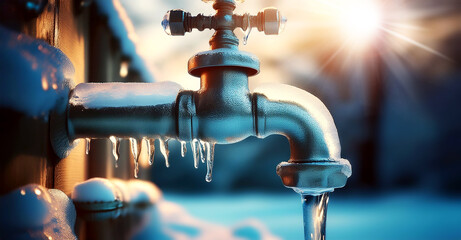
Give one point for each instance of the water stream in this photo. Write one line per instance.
(315, 216)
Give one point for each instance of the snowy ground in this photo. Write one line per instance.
(389, 216)
(33, 212)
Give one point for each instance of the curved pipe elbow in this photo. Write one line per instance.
(299, 116)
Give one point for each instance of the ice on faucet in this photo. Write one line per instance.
(115, 144)
(164, 150)
(183, 148)
(209, 148)
(135, 151)
(202, 150)
(195, 146)
(87, 145)
(101, 95)
(151, 150)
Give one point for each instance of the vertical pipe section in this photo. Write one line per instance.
(100, 110)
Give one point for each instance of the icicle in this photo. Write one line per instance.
(209, 160)
(152, 151)
(118, 146)
(202, 150)
(115, 142)
(164, 150)
(135, 150)
(146, 140)
(194, 145)
(183, 148)
(134, 147)
(87, 147)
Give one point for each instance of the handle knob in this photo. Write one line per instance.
(173, 22)
(273, 21)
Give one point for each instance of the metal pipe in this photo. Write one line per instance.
(222, 111)
(101, 110)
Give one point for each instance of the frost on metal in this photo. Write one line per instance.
(34, 75)
(102, 95)
(123, 29)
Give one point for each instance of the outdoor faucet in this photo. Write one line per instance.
(223, 110)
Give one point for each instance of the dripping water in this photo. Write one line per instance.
(115, 142)
(209, 148)
(164, 150)
(315, 214)
(87, 147)
(151, 149)
(135, 151)
(195, 151)
(183, 148)
(247, 31)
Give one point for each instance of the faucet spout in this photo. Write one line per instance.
(302, 118)
(315, 164)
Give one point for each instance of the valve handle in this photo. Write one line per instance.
(177, 22)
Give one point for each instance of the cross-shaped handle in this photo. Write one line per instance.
(177, 22)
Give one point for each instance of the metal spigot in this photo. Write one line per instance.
(225, 111)
(222, 111)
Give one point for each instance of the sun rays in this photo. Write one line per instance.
(367, 25)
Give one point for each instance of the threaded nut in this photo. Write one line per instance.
(315, 176)
(176, 22)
